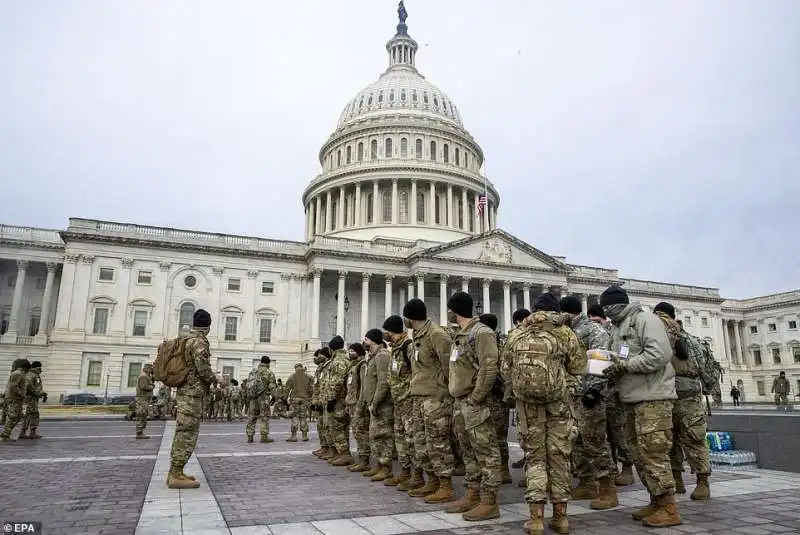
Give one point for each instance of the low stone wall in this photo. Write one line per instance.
(773, 438)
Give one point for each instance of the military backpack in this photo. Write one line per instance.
(498, 387)
(171, 367)
(255, 385)
(537, 375)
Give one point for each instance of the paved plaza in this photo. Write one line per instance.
(92, 477)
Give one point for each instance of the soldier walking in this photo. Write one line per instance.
(35, 393)
(144, 393)
(781, 387)
(261, 387)
(16, 392)
(299, 390)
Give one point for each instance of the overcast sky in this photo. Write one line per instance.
(660, 138)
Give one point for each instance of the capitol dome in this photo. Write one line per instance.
(400, 163)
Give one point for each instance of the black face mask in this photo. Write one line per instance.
(451, 318)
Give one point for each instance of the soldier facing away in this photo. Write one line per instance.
(35, 393)
(333, 393)
(299, 389)
(144, 393)
(16, 392)
(381, 410)
(261, 386)
(322, 361)
(358, 407)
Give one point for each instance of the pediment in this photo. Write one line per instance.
(497, 247)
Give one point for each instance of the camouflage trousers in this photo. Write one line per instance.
(359, 424)
(649, 433)
(546, 433)
(500, 416)
(781, 399)
(591, 453)
(339, 427)
(381, 428)
(432, 419)
(322, 431)
(477, 437)
(13, 414)
(259, 409)
(187, 428)
(689, 436)
(31, 412)
(142, 412)
(617, 439)
(404, 432)
(300, 415)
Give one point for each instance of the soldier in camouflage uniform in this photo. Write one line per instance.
(381, 409)
(458, 462)
(35, 393)
(540, 363)
(322, 361)
(591, 455)
(333, 393)
(299, 391)
(781, 388)
(144, 393)
(473, 374)
(16, 392)
(261, 391)
(508, 396)
(688, 415)
(2, 409)
(646, 380)
(189, 401)
(357, 407)
(433, 406)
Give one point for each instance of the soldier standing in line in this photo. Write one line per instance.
(357, 407)
(541, 362)
(333, 394)
(473, 373)
(646, 382)
(508, 395)
(458, 461)
(16, 392)
(236, 399)
(322, 359)
(144, 393)
(261, 389)
(299, 390)
(781, 387)
(35, 393)
(433, 406)
(381, 409)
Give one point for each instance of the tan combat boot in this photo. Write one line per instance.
(680, 488)
(505, 475)
(266, 439)
(606, 496)
(486, 510)
(559, 522)
(470, 500)
(305, 436)
(22, 435)
(249, 439)
(329, 454)
(362, 465)
(414, 482)
(586, 490)
(625, 477)
(345, 459)
(176, 480)
(372, 471)
(647, 510)
(318, 452)
(142, 436)
(702, 491)
(292, 437)
(383, 474)
(535, 525)
(404, 474)
(33, 434)
(444, 493)
(666, 514)
(430, 486)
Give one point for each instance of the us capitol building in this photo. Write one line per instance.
(396, 212)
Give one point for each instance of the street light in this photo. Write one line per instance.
(346, 304)
(479, 308)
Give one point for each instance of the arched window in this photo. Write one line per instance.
(436, 208)
(346, 211)
(420, 207)
(380, 97)
(404, 207)
(360, 152)
(446, 153)
(402, 95)
(370, 214)
(338, 158)
(435, 103)
(458, 159)
(403, 148)
(361, 104)
(387, 152)
(425, 97)
(185, 317)
(391, 95)
(349, 154)
(433, 151)
(387, 207)
(419, 149)
(334, 213)
(414, 96)
(373, 150)
(369, 102)
(466, 159)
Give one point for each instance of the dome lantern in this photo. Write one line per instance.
(402, 48)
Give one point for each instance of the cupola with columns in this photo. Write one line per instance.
(400, 163)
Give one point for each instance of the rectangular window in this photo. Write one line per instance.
(704, 322)
(757, 357)
(231, 326)
(687, 321)
(234, 285)
(40, 283)
(100, 321)
(134, 370)
(772, 327)
(94, 373)
(792, 324)
(139, 323)
(796, 355)
(106, 274)
(268, 287)
(265, 331)
(753, 329)
(144, 277)
(33, 325)
(760, 386)
(228, 370)
(776, 355)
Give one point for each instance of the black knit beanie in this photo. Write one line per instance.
(490, 320)
(394, 324)
(201, 319)
(597, 311)
(415, 310)
(520, 315)
(571, 304)
(375, 335)
(461, 304)
(614, 295)
(547, 302)
(666, 308)
(265, 359)
(358, 348)
(337, 342)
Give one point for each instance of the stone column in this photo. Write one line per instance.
(450, 218)
(738, 342)
(328, 213)
(315, 297)
(388, 296)
(432, 204)
(340, 304)
(44, 321)
(585, 302)
(487, 306)
(464, 221)
(410, 289)
(740, 334)
(421, 286)
(358, 205)
(506, 306)
(64, 305)
(465, 285)
(340, 215)
(412, 201)
(443, 299)
(318, 216)
(308, 221)
(493, 217)
(376, 215)
(395, 203)
(401, 299)
(365, 302)
(526, 296)
(19, 284)
(514, 302)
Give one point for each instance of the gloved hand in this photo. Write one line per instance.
(617, 369)
(330, 406)
(590, 398)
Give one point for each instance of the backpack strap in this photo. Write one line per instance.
(407, 342)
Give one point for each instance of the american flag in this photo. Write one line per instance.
(481, 203)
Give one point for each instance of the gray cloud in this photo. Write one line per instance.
(659, 138)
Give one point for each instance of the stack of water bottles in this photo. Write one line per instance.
(724, 457)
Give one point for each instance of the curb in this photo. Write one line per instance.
(84, 418)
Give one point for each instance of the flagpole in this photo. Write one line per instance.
(486, 198)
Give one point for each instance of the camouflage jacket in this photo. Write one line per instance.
(198, 355)
(34, 389)
(267, 380)
(144, 386)
(473, 362)
(354, 381)
(591, 335)
(319, 378)
(400, 369)
(430, 362)
(300, 386)
(780, 386)
(687, 369)
(333, 387)
(672, 327)
(16, 387)
(381, 361)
